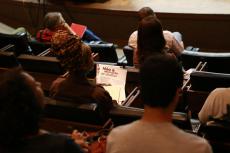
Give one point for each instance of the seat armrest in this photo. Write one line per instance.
(40, 64)
(8, 60)
(74, 110)
(128, 52)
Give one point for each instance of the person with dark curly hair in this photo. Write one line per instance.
(76, 58)
(21, 106)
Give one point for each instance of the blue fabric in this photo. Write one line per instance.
(90, 36)
(178, 36)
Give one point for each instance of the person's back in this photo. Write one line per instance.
(80, 89)
(76, 58)
(215, 105)
(161, 79)
(144, 137)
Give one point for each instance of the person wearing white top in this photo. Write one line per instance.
(215, 105)
(174, 43)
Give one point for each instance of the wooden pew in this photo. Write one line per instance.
(42, 64)
(123, 115)
(8, 60)
(208, 81)
(65, 126)
(75, 110)
(216, 62)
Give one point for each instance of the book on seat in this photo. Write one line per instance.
(79, 29)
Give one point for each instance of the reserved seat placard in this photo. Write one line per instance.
(113, 79)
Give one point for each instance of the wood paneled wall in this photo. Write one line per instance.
(207, 31)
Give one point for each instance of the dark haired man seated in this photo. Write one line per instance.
(161, 80)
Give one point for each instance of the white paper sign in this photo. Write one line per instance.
(113, 78)
(111, 75)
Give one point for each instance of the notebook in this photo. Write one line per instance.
(79, 29)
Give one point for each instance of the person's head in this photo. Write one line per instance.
(144, 12)
(52, 20)
(150, 37)
(74, 55)
(21, 104)
(161, 78)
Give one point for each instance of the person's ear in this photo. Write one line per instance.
(177, 95)
(179, 91)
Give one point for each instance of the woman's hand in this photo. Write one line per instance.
(80, 139)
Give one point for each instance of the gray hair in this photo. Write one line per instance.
(52, 20)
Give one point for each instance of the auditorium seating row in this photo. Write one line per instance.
(76, 111)
(216, 61)
(215, 73)
(61, 116)
(45, 69)
(200, 85)
(22, 45)
(49, 67)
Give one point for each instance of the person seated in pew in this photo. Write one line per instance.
(215, 105)
(54, 21)
(76, 58)
(21, 107)
(173, 40)
(151, 39)
(161, 79)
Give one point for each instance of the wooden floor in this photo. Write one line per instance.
(162, 6)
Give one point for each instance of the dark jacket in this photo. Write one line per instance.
(80, 89)
(46, 143)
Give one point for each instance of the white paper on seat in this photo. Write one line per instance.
(116, 92)
(113, 79)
